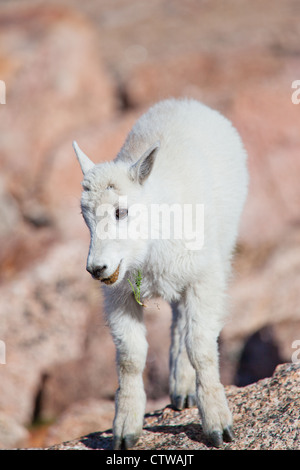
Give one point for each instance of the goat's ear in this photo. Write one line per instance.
(142, 168)
(85, 163)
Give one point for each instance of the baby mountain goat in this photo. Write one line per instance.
(167, 209)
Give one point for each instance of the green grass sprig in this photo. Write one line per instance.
(137, 289)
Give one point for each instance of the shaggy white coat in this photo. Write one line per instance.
(183, 152)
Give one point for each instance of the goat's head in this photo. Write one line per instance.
(112, 192)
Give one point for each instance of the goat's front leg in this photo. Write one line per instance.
(205, 309)
(128, 331)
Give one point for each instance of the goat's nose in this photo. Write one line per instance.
(96, 271)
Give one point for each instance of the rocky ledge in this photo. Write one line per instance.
(266, 417)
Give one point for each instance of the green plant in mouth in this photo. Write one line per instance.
(137, 289)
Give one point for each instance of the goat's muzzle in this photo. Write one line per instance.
(113, 278)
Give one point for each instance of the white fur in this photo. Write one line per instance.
(196, 158)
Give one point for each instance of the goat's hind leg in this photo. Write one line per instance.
(182, 382)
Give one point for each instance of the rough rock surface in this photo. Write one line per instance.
(266, 416)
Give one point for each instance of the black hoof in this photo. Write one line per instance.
(228, 434)
(191, 401)
(117, 442)
(181, 401)
(216, 437)
(126, 442)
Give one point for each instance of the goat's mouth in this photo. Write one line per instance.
(113, 278)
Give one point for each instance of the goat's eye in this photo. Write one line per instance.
(121, 213)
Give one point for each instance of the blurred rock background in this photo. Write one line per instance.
(86, 71)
